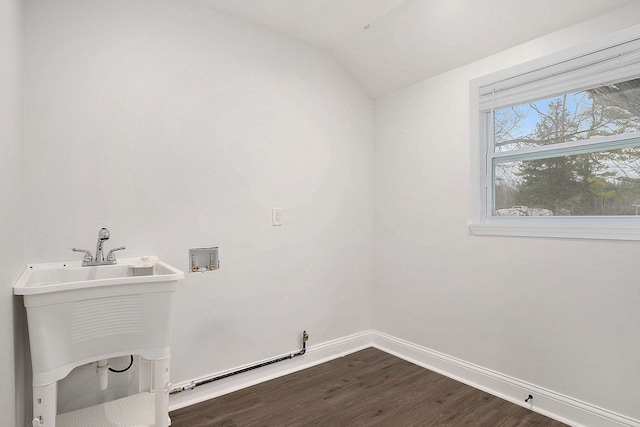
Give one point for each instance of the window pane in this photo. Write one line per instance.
(603, 183)
(602, 111)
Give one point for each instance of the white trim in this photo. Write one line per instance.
(547, 402)
(606, 228)
(584, 146)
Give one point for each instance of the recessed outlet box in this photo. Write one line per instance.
(203, 259)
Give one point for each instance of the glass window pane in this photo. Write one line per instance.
(602, 183)
(602, 111)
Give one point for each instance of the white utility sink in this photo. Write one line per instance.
(78, 315)
(69, 276)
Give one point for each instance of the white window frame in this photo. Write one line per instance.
(562, 72)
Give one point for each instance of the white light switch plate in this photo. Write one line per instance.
(276, 216)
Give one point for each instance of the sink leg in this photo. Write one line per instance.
(162, 388)
(45, 405)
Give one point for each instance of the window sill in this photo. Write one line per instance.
(607, 228)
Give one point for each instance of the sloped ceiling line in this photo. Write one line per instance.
(410, 40)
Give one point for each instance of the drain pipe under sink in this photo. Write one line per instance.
(103, 373)
(103, 368)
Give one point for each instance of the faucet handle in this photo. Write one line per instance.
(87, 254)
(111, 256)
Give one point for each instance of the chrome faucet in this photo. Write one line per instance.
(103, 235)
(89, 260)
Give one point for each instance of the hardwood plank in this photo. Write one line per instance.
(367, 388)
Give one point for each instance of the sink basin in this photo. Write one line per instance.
(57, 277)
(78, 315)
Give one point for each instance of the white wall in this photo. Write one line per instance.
(11, 190)
(178, 127)
(559, 314)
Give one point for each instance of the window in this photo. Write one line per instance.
(556, 144)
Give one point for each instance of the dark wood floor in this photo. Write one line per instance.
(367, 388)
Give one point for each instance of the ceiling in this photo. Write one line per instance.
(389, 44)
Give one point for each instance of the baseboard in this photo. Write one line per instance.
(554, 405)
(315, 355)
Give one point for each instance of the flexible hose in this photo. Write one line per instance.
(119, 371)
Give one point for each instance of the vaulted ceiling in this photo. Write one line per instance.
(389, 44)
